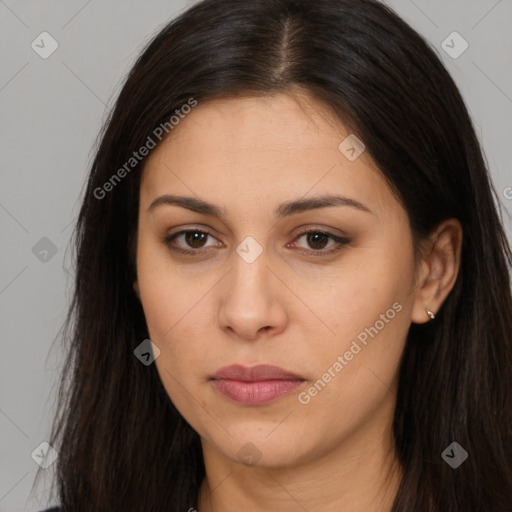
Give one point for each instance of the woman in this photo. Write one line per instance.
(292, 284)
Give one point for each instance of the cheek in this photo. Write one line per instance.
(356, 374)
(368, 310)
(175, 323)
(367, 285)
(163, 298)
(175, 314)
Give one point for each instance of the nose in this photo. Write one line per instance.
(252, 300)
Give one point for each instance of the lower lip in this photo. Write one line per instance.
(255, 393)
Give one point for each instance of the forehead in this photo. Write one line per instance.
(257, 125)
(254, 149)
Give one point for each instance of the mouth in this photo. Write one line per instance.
(256, 385)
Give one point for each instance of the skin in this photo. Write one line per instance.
(287, 308)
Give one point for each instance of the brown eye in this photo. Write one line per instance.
(195, 239)
(317, 241)
(191, 241)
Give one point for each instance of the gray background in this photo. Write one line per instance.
(51, 112)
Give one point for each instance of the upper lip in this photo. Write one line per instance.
(255, 373)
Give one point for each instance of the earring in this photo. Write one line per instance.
(430, 314)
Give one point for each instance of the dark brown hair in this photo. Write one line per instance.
(123, 446)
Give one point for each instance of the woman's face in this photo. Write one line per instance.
(330, 309)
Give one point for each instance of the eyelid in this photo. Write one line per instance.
(321, 229)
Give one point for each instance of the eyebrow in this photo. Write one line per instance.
(283, 210)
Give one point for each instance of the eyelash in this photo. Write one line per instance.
(341, 241)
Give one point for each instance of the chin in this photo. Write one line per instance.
(254, 446)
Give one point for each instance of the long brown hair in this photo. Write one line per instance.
(122, 444)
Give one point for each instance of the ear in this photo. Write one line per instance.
(437, 270)
(136, 288)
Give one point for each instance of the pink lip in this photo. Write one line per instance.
(257, 385)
